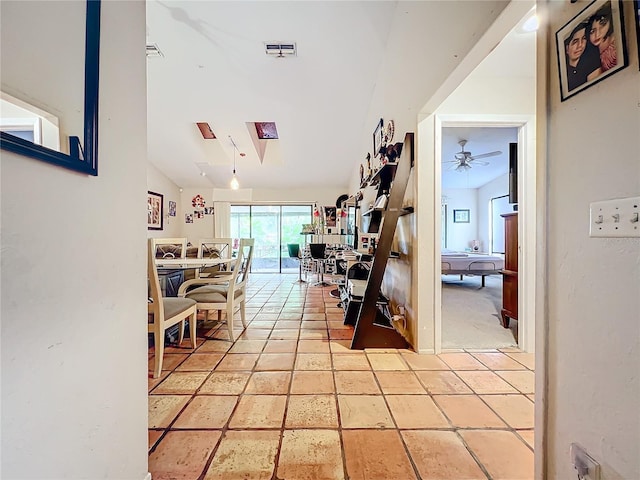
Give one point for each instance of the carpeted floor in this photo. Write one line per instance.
(471, 314)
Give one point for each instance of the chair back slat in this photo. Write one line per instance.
(169, 247)
(214, 248)
(243, 261)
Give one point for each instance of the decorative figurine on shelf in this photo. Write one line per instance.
(388, 132)
(361, 174)
(368, 165)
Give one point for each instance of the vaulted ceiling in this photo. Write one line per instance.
(356, 62)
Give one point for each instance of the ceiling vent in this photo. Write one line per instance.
(280, 49)
(153, 50)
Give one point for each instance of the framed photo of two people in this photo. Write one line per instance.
(591, 46)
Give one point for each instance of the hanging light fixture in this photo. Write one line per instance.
(234, 184)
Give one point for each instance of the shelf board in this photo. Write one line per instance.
(371, 211)
(387, 167)
(406, 211)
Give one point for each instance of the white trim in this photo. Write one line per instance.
(147, 476)
(527, 219)
(30, 124)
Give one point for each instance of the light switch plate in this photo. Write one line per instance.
(615, 218)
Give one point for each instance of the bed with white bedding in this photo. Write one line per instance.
(463, 263)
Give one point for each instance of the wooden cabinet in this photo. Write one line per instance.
(510, 272)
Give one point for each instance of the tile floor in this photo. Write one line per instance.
(289, 400)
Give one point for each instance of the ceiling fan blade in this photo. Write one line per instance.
(478, 162)
(485, 155)
(451, 161)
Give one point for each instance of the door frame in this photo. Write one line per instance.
(527, 232)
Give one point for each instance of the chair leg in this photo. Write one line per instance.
(230, 322)
(192, 328)
(158, 339)
(181, 332)
(243, 317)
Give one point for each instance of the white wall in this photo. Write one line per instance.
(593, 283)
(495, 188)
(159, 183)
(73, 334)
(459, 235)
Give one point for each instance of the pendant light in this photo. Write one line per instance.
(234, 184)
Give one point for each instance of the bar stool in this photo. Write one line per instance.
(294, 252)
(317, 251)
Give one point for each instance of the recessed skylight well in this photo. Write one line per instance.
(206, 131)
(266, 130)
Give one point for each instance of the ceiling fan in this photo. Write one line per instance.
(465, 160)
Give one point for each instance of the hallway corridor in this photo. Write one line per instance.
(289, 400)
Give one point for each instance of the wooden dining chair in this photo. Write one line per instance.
(164, 312)
(214, 248)
(169, 247)
(223, 293)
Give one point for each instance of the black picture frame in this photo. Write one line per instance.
(636, 14)
(83, 157)
(461, 216)
(592, 66)
(378, 138)
(155, 211)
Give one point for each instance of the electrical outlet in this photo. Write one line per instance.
(585, 465)
(615, 218)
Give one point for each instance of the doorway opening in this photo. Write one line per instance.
(475, 184)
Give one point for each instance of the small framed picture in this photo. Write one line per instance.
(591, 47)
(461, 216)
(154, 211)
(172, 208)
(378, 138)
(330, 215)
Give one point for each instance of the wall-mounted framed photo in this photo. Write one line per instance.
(378, 138)
(591, 47)
(330, 216)
(461, 216)
(172, 208)
(155, 212)
(636, 13)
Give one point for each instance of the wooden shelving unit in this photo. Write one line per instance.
(373, 326)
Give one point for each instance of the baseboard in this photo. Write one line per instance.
(426, 351)
(147, 476)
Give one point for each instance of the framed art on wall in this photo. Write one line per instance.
(154, 211)
(461, 216)
(591, 47)
(377, 138)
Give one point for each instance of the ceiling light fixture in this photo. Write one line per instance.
(234, 184)
(529, 23)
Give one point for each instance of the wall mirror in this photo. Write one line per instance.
(29, 125)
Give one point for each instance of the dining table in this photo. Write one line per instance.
(188, 263)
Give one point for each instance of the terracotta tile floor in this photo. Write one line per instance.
(289, 400)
